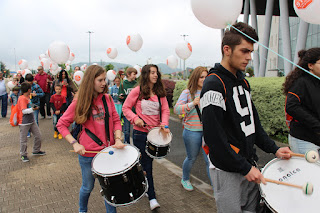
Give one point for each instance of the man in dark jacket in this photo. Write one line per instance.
(231, 126)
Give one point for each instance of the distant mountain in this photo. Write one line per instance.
(162, 67)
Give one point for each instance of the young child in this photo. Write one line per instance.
(114, 92)
(14, 96)
(58, 105)
(125, 88)
(27, 123)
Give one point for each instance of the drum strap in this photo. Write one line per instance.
(160, 109)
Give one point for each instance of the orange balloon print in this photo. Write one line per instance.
(302, 4)
(20, 62)
(167, 62)
(128, 40)
(189, 46)
(108, 50)
(77, 77)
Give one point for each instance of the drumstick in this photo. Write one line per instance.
(311, 156)
(96, 152)
(307, 188)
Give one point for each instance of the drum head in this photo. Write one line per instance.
(289, 199)
(106, 164)
(157, 138)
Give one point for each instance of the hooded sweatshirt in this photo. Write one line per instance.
(125, 88)
(231, 124)
(95, 124)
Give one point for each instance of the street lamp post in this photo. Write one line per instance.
(89, 47)
(184, 61)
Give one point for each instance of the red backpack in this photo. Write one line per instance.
(289, 118)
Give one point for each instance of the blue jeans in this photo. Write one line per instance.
(193, 143)
(87, 185)
(126, 130)
(301, 146)
(4, 105)
(36, 116)
(139, 140)
(55, 121)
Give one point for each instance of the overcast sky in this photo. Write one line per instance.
(29, 26)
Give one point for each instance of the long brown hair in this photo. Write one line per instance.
(194, 78)
(310, 56)
(158, 87)
(85, 93)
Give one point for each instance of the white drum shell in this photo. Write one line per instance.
(297, 171)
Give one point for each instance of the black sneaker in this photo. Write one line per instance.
(39, 153)
(25, 159)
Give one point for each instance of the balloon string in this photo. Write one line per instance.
(229, 25)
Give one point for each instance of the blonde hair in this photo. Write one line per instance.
(194, 78)
(85, 94)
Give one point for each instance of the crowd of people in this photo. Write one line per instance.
(217, 108)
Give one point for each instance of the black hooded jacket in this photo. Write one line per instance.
(231, 124)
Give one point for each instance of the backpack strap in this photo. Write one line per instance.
(224, 86)
(106, 116)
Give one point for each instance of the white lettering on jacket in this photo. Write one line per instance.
(250, 128)
(212, 98)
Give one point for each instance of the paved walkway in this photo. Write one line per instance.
(51, 183)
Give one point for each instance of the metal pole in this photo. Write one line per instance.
(89, 47)
(246, 11)
(285, 29)
(301, 39)
(184, 61)
(254, 23)
(266, 37)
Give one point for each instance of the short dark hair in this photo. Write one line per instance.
(233, 38)
(16, 88)
(57, 85)
(25, 87)
(29, 77)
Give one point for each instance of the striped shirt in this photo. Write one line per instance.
(185, 106)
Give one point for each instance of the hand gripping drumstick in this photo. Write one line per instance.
(307, 188)
(311, 156)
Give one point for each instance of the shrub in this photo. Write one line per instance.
(269, 101)
(169, 87)
(180, 86)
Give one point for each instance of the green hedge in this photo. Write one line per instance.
(268, 99)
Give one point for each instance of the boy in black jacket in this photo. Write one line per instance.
(231, 126)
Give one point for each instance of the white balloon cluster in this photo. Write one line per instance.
(23, 64)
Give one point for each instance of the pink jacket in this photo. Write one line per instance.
(147, 110)
(95, 124)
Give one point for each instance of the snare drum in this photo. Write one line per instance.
(280, 198)
(120, 175)
(158, 146)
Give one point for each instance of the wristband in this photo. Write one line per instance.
(73, 142)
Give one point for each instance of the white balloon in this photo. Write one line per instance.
(94, 64)
(111, 75)
(138, 68)
(41, 56)
(59, 69)
(78, 76)
(216, 13)
(53, 66)
(59, 52)
(112, 52)
(67, 67)
(134, 42)
(45, 63)
(71, 57)
(25, 72)
(23, 64)
(19, 71)
(183, 49)
(308, 10)
(54, 72)
(83, 67)
(172, 62)
(11, 85)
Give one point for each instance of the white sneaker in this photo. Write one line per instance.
(154, 204)
(49, 117)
